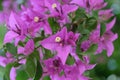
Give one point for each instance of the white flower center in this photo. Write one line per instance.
(54, 5)
(57, 39)
(36, 19)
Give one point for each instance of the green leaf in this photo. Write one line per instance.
(1, 7)
(82, 29)
(30, 66)
(21, 75)
(21, 44)
(35, 54)
(2, 52)
(102, 29)
(33, 66)
(2, 69)
(70, 60)
(2, 33)
(95, 14)
(47, 54)
(11, 48)
(74, 27)
(53, 24)
(46, 78)
(7, 71)
(84, 37)
(38, 39)
(39, 71)
(16, 64)
(91, 23)
(68, 25)
(80, 15)
(78, 49)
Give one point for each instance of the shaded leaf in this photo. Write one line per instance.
(46, 78)
(47, 54)
(91, 23)
(21, 44)
(53, 24)
(70, 60)
(11, 48)
(102, 29)
(39, 71)
(16, 64)
(80, 16)
(30, 66)
(21, 75)
(38, 39)
(2, 52)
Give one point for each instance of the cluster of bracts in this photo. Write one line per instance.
(55, 38)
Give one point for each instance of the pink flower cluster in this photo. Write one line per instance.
(42, 27)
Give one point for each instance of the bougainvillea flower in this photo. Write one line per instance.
(28, 49)
(105, 14)
(90, 4)
(110, 25)
(72, 38)
(36, 21)
(6, 60)
(60, 11)
(85, 45)
(60, 42)
(84, 65)
(7, 7)
(39, 5)
(53, 65)
(104, 42)
(76, 71)
(66, 1)
(57, 43)
(17, 29)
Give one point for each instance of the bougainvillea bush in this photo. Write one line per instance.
(54, 39)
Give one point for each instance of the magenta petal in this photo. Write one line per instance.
(81, 3)
(69, 8)
(29, 47)
(84, 78)
(49, 43)
(63, 53)
(10, 35)
(47, 28)
(100, 48)
(91, 66)
(114, 37)
(82, 67)
(12, 21)
(17, 40)
(20, 50)
(13, 74)
(86, 59)
(110, 25)
(2, 61)
(110, 48)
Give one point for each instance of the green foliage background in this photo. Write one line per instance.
(107, 68)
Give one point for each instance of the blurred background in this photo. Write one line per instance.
(107, 68)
